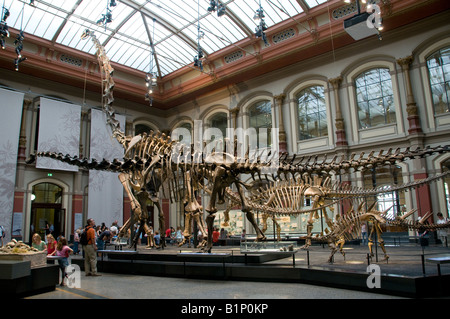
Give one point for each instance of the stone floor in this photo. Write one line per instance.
(405, 260)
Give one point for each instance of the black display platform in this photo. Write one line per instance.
(406, 274)
(18, 279)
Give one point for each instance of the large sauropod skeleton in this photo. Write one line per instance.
(153, 160)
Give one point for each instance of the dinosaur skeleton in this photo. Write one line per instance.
(348, 227)
(153, 160)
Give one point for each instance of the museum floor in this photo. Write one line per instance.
(405, 261)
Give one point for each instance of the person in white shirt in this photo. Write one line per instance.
(442, 233)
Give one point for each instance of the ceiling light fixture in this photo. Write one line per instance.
(200, 36)
(107, 17)
(19, 44)
(4, 32)
(150, 78)
(260, 24)
(217, 5)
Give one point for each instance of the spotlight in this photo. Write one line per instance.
(17, 62)
(112, 3)
(150, 80)
(6, 15)
(100, 21)
(221, 10)
(259, 15)
(3, 33)
(216, 5)
(198, 63)
(108, 17)
(212, 6)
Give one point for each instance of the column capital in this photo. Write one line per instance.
(336, 82)
(235, 111)
(279, 98)
(405, 62)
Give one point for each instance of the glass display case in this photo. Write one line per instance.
(268, 246)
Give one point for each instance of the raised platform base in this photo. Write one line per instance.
(263, 268)
(18, 279)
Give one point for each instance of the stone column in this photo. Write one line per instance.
(411, 107)
(279, 99)
(234, 113)
(339, 122)
(419, 165)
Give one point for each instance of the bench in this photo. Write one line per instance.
(439, 261)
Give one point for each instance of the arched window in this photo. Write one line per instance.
(374, 96)
(438, 65)
(386, 176)
(260, 118)
(312, 113)
(183, 133)
(142, 128)
(220, 121)
(47, 193)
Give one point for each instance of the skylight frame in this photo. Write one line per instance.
(175, 27)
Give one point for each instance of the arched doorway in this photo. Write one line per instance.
(47, 214)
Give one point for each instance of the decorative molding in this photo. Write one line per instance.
(283, 35)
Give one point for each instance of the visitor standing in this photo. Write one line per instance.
(215, 236)
(76, 241)
(442, 233)
(364, 233)
(179, 235)
(90, 249)
(157, 238)
(150, 238)
(243, 235)
(2, 234)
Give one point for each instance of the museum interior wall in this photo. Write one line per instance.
(368, 96)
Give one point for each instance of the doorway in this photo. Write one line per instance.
(47, 214)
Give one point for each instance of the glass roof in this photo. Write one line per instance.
(172, 26)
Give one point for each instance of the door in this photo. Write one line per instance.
(47, 219)
(47, 214)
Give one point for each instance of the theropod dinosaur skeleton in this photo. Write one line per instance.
(151, 160)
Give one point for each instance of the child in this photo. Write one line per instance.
(63, 250)
(38, 243)
(51, 245)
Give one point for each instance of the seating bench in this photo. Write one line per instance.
(439, 261)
